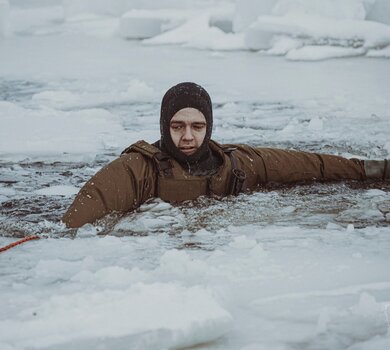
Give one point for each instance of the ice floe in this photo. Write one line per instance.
(52, 134)
(140, 316)
(298, 29)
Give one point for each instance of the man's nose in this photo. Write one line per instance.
(188, 133)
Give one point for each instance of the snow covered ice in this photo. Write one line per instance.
(4, 10)
(304, 267)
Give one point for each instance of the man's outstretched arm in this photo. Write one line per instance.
(286, 166)
(294, 166)
(122, 185)
(270, 165)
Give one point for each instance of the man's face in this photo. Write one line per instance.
(188, 130)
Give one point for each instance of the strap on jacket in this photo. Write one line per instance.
(163, 164)
(161, 160)
(238, 176)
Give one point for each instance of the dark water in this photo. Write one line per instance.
(309, 205)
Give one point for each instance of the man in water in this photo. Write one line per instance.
(185, 164)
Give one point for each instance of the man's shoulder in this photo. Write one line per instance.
(229, 147)
(142, 147)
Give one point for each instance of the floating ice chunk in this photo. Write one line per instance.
(197, 33)
(345, 9)
(247, 12)
(222, 23)
(282, 44)
(317, 53)
(145, 224)
(230, 107)
(51, 134)
(358, 214)
(161, 207)
(49, 271)
(74, 8)
(203, 233)
(156, 203)
(138, 90)
(143, 316)
(60, 190)
(186, 233)
(157, 206)
(56, 98)
(88, 230)
(4, 14)
(288, 210)
(259, 36)
(356, 35)
(380, 12)
(384, 53)
(142, 24)
(375, 193)
(350, 228)
(368, 5)
(291, 127)
(154, 216)
(100, 26)
(258, 39)
(367, 305)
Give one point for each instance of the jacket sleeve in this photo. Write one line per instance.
(284, 166)
(122, 185)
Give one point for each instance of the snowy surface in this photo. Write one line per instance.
(4, 13)
(142, 24)
(303, 267)
(349, 27)
(379, 11)
(316, 31)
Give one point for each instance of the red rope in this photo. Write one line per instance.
(14, 244)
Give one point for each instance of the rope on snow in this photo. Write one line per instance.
(20, 241)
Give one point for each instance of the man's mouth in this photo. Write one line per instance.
(188, 150)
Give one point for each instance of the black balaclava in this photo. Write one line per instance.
(181, 96)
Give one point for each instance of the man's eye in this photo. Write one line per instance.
(198, 127)
(176, 127)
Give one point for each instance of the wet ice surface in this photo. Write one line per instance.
(300, 267)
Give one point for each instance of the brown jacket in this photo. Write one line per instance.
(128, 181)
